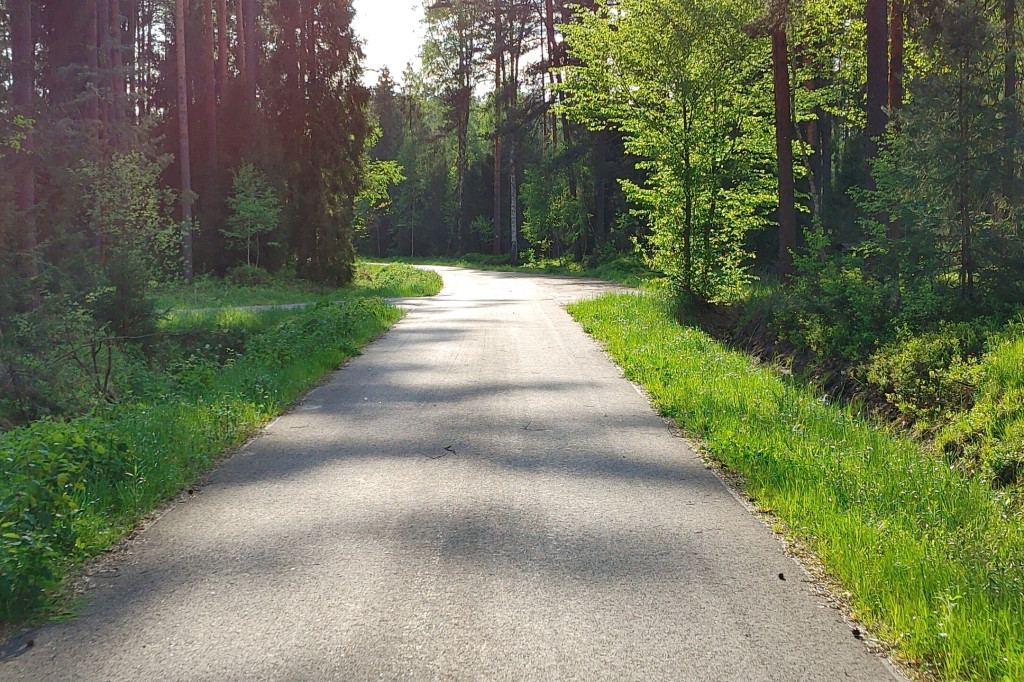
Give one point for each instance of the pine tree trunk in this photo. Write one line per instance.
(222, 50)
(184, 156)
(103, 60)
(131, 51)
(251, 53)
(1010, 87)
(23, 67)
(513, 202)
(240, 48)
(549, 27)
(897, 21)
(208, 98)
(784, 149)
(877, 76)
(117, 74)
(93, 39)
(498, 59)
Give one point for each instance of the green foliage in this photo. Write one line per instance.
(255, 212)
(249, 276)
(318, 126)
(396, 280)
(129, 208)
(989, 439)
(49, 469)
(930, 557)
(948, 172)
(675, 78)
(930, 376)
(554, 219)
(834, 307)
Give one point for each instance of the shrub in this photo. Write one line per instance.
(989, 439)
(48, 468)
(255, 212)
(249, 276)
(929, 376)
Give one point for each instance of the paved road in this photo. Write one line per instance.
(479, 496)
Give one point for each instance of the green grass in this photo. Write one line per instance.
(390, 281)
(211, 292)
(933, 559)
(71, 488)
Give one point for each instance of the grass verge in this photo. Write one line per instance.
(370, 279)
(71, 488)
(933, 559)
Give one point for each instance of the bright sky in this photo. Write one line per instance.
(391, 35)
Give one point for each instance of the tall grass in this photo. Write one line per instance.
(386, 281)
(933, 559)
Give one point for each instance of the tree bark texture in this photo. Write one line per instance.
(498, 59)
(184, 157)
(877, 76)
(23, 63)
(897, 22)
(222, 50)
(784, 149)
(251, 52)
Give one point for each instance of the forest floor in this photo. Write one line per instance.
(480, 491)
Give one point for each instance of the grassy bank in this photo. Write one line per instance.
(933, 558)
(259, 287)
(71, 488)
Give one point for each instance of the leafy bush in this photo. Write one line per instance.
(49, 469)
(255, 212)
(989, 439)
(929, 376)
(836, 311)
(249, 276)
(397, 280)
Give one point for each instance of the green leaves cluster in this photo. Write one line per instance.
(255, 212)
(677, 80)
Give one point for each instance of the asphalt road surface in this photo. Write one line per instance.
(481, 495)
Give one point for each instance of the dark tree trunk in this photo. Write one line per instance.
(208, 97)
(130, 52)
(184, 156)
(222, 50)
(825, 183)
(549, 28)
(23, 67)
(601, 187)
(251, 52)
(877, 76)
(103, 58)
(498, 60)
(897, 20)
(117, 75)
(784, 149)
(240, 48)
(1010, 87)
